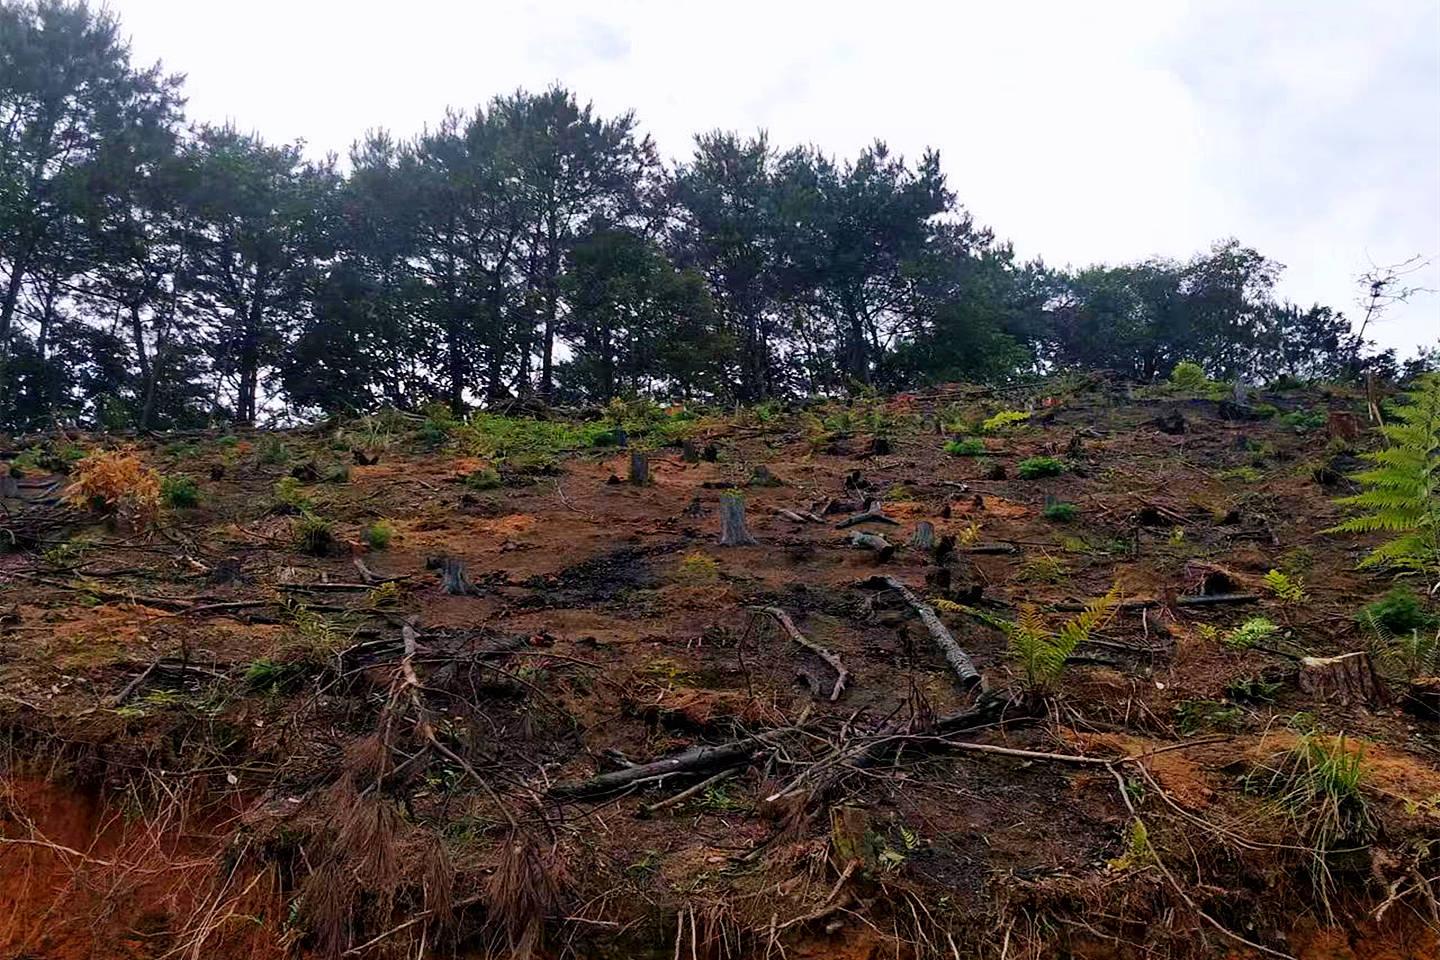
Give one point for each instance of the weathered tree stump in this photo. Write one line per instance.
(639, 469)
(9, 487)
(762, 477)
(689, 452)
(733, 532)
(365, 458)
(226, 571)
(454, 580)
(710, 454)
(1346, 679)
(924, 536)
(1422, 697)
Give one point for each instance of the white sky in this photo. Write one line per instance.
(1083, 130)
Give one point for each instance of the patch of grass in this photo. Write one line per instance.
(337, 473)
(180, 449)
(1243, 474)
(289, 493)
(1195, 716)
(271, 676)
(1305, 420)
(1033, 468)
(969, 447)
(700, 567)
(1060, 512)
(1252, 690)
(379, 534)
(179, 492)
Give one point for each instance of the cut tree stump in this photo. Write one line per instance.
(1346, 679)
(733, 532)
(454, 580)
(1422, 697)
(639, 468)
(924, 536)
(689, 452)
(842, 676)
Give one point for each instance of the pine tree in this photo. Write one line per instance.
(1402, 494)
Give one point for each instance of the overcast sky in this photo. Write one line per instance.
(1082, 131)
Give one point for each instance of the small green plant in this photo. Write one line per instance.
(1139, 854)
(1304, 420)
(1252, 690)
(272, 450)
(1060, 512)
(179, 492)
(386, 596)
(486, 478)
(1252, 631)
(971, 447)
(314, 535)
(228, 441)
(1177, 536)
(1004, 422)
(271, 676)
(1042, 653)
(700, 567)
(1042, 568)
(180, 449)
(1243, 474)
(379, 534)
(1408, 654)
(1284, 587)
(66, 554)
(1032, 468)
(289, 494)
(337, 473)
(1195, 716)
(1399, 611)
(1402, 490)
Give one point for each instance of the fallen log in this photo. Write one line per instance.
(1213, 599)
(842, 676)
(955, 656)
(872, 514)
(883, 548)
(924, 536)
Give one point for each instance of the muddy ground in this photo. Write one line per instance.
(220, 745)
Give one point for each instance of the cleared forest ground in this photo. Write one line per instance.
(262, 724)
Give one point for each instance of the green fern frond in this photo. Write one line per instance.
(1402, 494)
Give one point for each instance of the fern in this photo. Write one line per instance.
(1402, 494)
(1040, 652)
(1410, 654)
(1285, 587)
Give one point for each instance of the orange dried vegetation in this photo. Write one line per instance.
(117, 482)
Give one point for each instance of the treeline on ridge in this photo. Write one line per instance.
(158, 273)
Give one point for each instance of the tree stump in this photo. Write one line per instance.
(924, 536)
(1422, 697)
(454, 580)
(9, 487)
(1346, 679)
(639, 469)
(762, 477)
(689, 452)
(733, 532)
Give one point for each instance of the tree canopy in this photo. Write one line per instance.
(157, 273)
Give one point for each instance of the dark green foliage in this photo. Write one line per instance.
(379, 534)
(314, 535)
(1060, 512)
(179, 492)
(1033, 468)
(1399, 611)
(483, 479)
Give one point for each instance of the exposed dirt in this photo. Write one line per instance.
(241, 769)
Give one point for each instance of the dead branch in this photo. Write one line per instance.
(874, 513)
(842, 676)
(958, 659)
(696, 759)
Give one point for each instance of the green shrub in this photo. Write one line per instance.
(179, 492)
(314, 535)
(1004, 421)
(1190, 376)
(379, 534)
(1060, 512)
(228, 441)
(1399, 612)
(180, 448)
(1304, 419)
(966, 448)
(289, 494)
(1033, 468)
(337, 473)
(485, 478)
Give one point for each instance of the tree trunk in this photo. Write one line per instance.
(733, 532)
(552, 306)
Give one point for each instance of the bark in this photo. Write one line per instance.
(733, 532)
(639, 468)
(1345, 679)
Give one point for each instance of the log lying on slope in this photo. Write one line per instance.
(958, 659)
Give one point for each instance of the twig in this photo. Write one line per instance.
(689, 792)
(842, 676)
